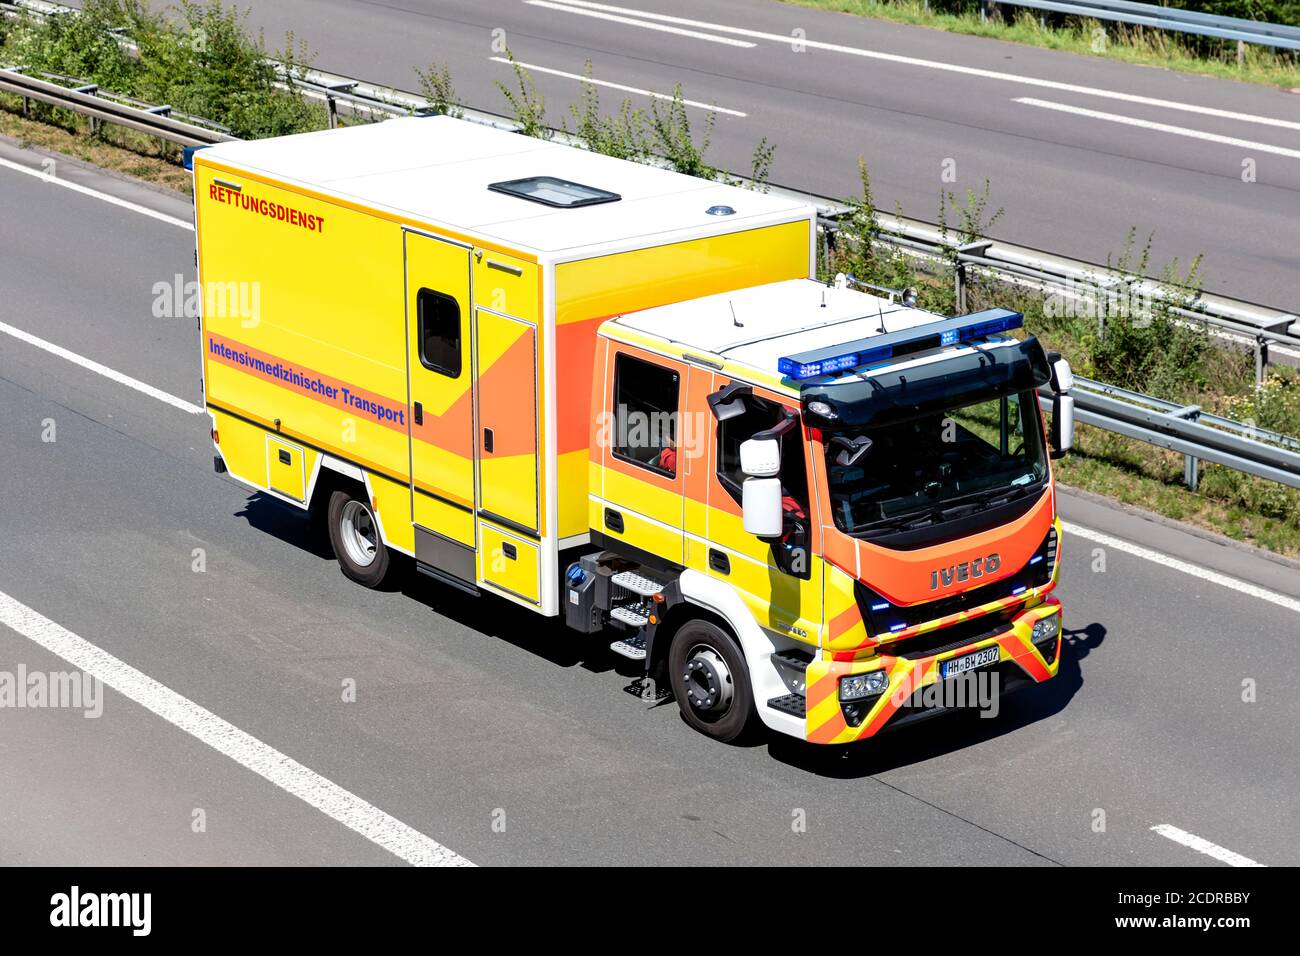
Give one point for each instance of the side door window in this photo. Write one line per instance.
(645, 414)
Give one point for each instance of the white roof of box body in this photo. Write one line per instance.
(777, 319)
(437, 170)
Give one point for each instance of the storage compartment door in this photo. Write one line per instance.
(506, 384)
(285, 468)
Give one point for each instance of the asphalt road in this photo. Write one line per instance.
(499, 735)
(1071, 183)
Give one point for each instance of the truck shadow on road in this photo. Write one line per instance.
(950, 732)
(549, 640)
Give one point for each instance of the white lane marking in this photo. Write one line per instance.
(103, 370)
(1214, 577)
(788, 39)
(87, 191)
(265, 761)
(694, 34)
(619, 86)
(1203, 846)
(1159, 127)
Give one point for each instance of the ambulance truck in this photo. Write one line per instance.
(610, 392)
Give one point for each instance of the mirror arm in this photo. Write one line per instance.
(779, 429)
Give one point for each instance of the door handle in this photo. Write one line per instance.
(487, 440)
(285, 457)
(418, 413)
(719, 562)
(614, 520)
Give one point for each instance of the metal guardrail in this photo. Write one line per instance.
(1274, 35)
(88, 100)
(1187, 430)
(1183, 429)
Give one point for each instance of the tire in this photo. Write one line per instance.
(354, 536)
(715, 700)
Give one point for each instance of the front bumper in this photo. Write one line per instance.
(913, 674)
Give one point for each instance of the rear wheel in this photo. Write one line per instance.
(354, 535)
(710, 681)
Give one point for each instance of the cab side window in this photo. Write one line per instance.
(791, 553)
(760, 415)
(645, 414)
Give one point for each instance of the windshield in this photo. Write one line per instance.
(935, 466)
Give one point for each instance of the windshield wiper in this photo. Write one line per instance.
(987, 500)
(902, 522)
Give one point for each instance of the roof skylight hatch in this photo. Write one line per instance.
(559, 193)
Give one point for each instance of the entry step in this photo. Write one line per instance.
(637, 583)
(792, 704)
(625, 615)
(632, 647)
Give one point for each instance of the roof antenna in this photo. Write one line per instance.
(735, 321)
(880, 316)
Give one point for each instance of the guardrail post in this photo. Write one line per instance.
(1261, 361)
(959, 284)
(1192, 472)
(93, 90)
(330, 90)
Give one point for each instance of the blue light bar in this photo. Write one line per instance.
(898, 627)
(1018, 590)
(941, 334)
(882, 606)
(1035, 559)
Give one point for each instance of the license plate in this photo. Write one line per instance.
(968, 662)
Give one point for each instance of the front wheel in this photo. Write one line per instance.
(711, 681)
(354, 535)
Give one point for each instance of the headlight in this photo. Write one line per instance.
(858, 686)
(1046, 629)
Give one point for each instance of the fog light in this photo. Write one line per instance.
(858, 686)
(1046, 629)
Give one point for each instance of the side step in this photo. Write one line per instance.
(632, 647)
(792, 704)
(636, 583)
(625, 615)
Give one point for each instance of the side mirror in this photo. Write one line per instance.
(1062, 437)
(760, 457)
(761, 507)
(1062, 425)
(1062, 377)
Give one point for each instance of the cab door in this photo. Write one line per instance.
(440, 412)
(780, 581)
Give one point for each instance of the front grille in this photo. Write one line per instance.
(950, 638)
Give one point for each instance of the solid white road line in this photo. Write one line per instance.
(265, 761)
(103, 370)
(619, 86)
(1160, 127)
(641, 23)
(87, 191)
(789, 39)
(1203, 846)
(1214, 577)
